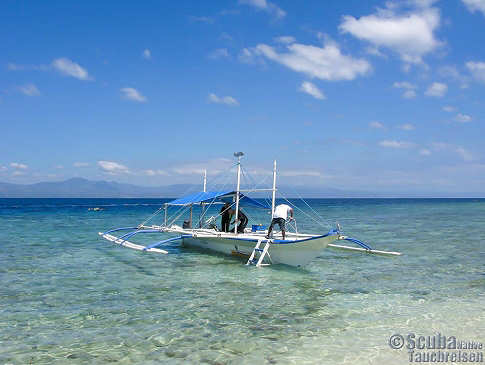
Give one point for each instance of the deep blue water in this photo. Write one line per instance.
(69, 297)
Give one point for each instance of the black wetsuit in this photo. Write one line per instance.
(225, 218)
(243, 222)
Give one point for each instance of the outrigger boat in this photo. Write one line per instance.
(297, 249)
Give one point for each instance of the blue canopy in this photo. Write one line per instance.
(217, 196)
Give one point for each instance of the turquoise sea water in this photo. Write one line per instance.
(69, 297)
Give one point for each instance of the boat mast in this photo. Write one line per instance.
(202, 210)
(274, 188)
(205, 181)
(238, 155)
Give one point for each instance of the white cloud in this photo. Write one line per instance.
(285, 39)
(250, 56)
(372, 50)
(147, 54)
(80, 164)
(406, 67)
(113, 167)
(151, 172)
(293, 173)
(219, 53)
(377, 125)
(404, 85)
(17, 67)
(260, 171)
(395, 144)
(18, 173)
(59, 167)
(267, 6)
(130, 93)
(246, 56)
(439, 146)
(409, 88)
(186, 170)
(62, 65)
(461, 151)
(449, 109)
(436, 89)
(29, 90)
(406, 127)
(409, 94)
(411, 34)
(213, 167)
(326, 63)
(225, 36)
(69, 68)
(310, 89)
(424, 152)
(228, 100)
(17, 165)
(463, 118)
(477, 70)
(452, 73)
(475, 5)
(202, 19)
(466, 155)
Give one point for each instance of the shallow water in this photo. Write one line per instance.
(68, 297)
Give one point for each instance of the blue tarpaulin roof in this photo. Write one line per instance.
(217, 196)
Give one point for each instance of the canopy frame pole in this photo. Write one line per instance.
(274, 188)
(237, 189)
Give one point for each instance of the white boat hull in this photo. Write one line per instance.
(294, 253)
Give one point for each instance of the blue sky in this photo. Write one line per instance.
(376, 96)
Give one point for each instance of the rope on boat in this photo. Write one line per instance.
(308, 205)
(302, 211)
(120, 229)
(184, 208)
(150, 217)
(246, 174)
(204, 213)
(190, 189)
(156, 244)
(213, 201)
(131, 234)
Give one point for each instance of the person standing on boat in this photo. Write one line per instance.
(243, 221)
(225, 217)
(279, 216)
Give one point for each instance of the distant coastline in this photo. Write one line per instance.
(84, 188)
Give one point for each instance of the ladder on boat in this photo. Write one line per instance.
(261, 252)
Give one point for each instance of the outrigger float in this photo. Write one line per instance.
(297, 249)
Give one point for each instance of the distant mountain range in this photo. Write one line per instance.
(83, 188)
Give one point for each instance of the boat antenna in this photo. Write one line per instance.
(238, 155)
(274, 189)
